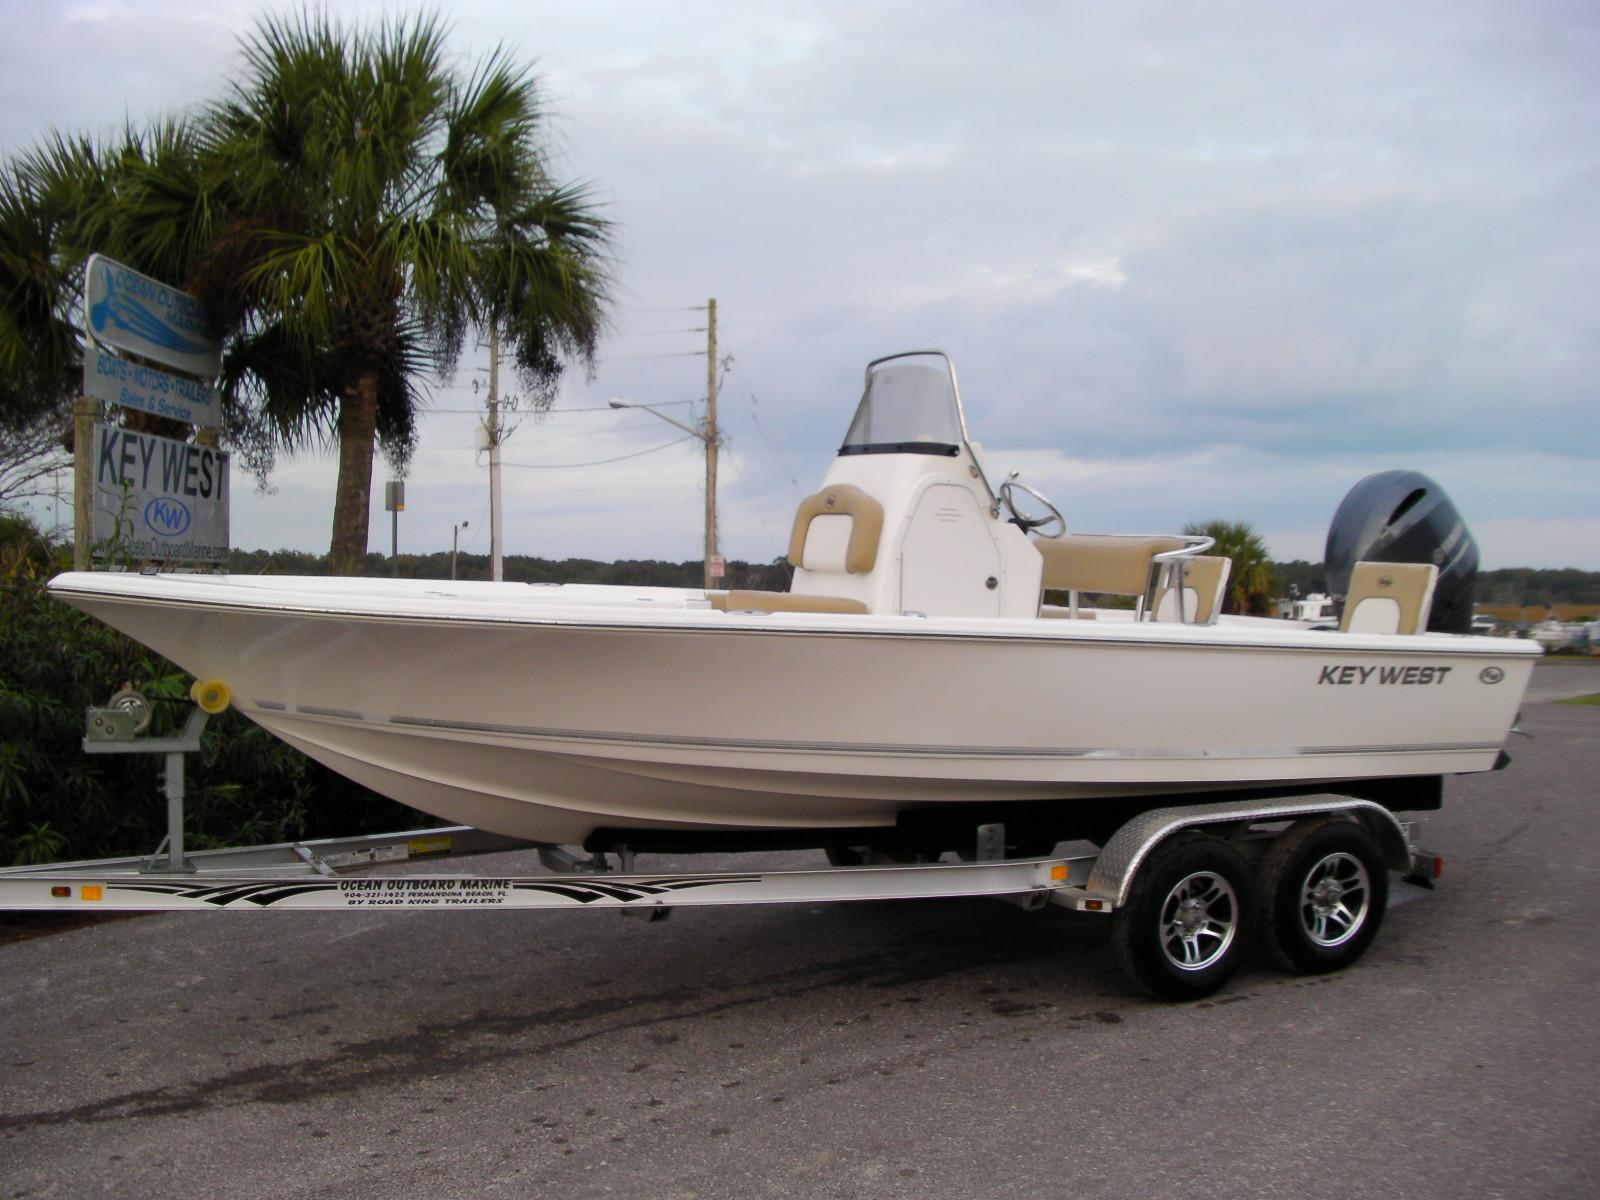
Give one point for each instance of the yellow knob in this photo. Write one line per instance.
(210, 694)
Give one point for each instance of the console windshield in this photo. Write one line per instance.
(910, 407)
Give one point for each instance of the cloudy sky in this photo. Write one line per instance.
(1192, 260)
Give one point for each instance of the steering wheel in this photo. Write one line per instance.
(1031, 524)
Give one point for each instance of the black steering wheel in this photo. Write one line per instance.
(1032, 524)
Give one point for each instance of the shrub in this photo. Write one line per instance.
(244, 786)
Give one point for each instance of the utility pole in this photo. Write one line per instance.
(714, 566)
(455, 544)
(496, 570)
(85, 412)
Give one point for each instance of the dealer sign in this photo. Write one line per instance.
(159, 499)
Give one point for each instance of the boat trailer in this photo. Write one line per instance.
(1187, 887)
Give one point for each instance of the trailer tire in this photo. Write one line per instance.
(1183, 931)
(1324, 886)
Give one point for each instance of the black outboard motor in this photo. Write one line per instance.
(1405, 517)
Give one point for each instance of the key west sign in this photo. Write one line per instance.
(154, 498)
(159, 499)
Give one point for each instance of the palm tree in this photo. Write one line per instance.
(347, 215)
(39, 358)
(376, 207)
(47, 205)
(1250, 583)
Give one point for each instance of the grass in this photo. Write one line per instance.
(1594, 699)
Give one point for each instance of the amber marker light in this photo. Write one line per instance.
(92, 891)
(61, 893)
(1058, 872)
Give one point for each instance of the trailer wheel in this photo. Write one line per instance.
(1324, 888)
(1183, 931)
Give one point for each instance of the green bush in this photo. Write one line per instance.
(244, 787)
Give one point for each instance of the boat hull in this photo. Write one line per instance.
(550, 714)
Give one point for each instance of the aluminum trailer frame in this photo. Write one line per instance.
(1182, 923)
(321, 875)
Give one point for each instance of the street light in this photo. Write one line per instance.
(707, 435)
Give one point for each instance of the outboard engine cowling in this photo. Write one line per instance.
(1405, 517)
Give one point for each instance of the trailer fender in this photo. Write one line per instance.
(1128, 848)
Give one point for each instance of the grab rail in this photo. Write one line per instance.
(1196, 545)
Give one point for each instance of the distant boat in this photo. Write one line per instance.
(1317, 609)
(1556, 635)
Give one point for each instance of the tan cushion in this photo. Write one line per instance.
(866, 528)
(1204, 579)
(1101, 562)
(1389, 597)
(772, 602)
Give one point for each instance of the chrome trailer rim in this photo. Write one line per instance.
(1335, 899)
(1199, 921)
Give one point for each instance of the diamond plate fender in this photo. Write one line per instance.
(1120, 859)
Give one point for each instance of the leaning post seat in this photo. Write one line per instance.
(1110, 563)
(1205, 583)
(1389, 597)
(838, 530)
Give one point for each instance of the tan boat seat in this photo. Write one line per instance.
(774, 602)
(838, 530)
(1389, 597)
(1205, 583)
(1116, 564)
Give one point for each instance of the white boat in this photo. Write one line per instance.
(1556, 635)
(912, 677)
(1318, 608)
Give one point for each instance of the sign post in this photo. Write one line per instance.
(84, 412)
(394, 499)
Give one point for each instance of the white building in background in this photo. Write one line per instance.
(1317, 608)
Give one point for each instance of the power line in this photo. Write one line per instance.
(539, 412)
(643, 357)
(600, 462)
(755, 417)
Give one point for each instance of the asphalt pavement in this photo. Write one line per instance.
(914, 1049)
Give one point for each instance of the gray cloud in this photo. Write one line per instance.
(1237, 254)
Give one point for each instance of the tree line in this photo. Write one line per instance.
(1521, 586)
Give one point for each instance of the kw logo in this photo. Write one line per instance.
(167, 517)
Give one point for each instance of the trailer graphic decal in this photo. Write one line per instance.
(425, 892)
(222, 895)
(589, 890)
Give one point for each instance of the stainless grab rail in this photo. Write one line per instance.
(1197, 544)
